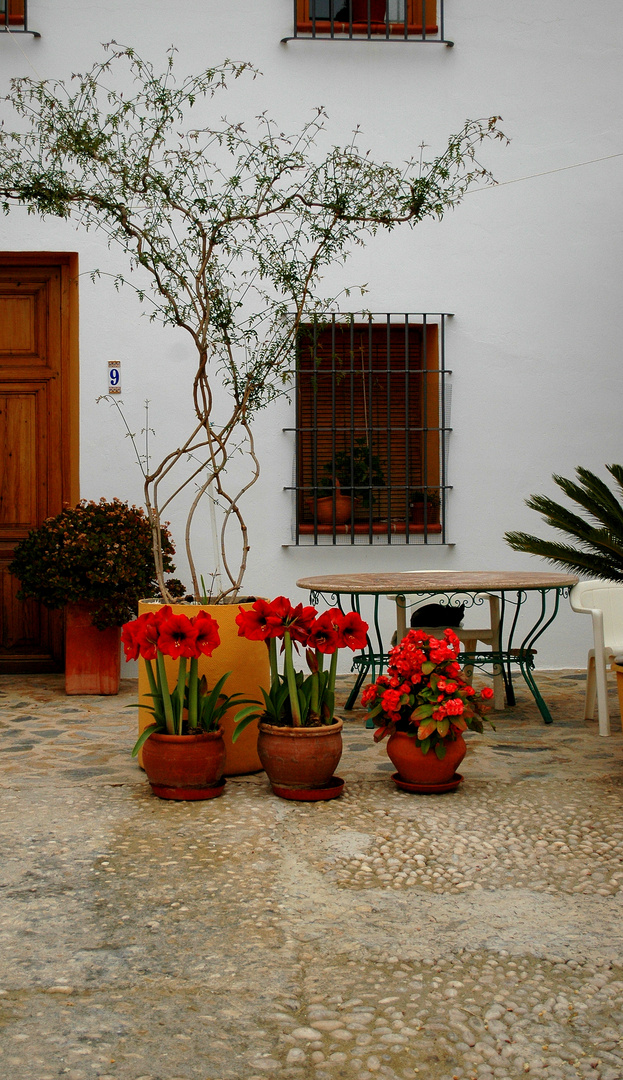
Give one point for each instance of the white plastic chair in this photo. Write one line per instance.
(603, 601)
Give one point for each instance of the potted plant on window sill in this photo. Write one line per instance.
(352, 480)
(95, 561)
(424, 704)
(424, 507)
(300, 739)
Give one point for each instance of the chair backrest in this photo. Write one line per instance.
(606, 597)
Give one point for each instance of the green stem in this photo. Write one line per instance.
(315, 688)
(193, 693)
(274, 667)
(331, 686)
(181, 683)
(155, 693)
(291, 680)
(163, 693)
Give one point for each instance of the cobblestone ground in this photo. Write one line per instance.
(471, 935)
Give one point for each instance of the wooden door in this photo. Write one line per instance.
(38, 436)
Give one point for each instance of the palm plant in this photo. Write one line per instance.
(598, 536)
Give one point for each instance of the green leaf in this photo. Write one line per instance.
(243, 723)
(440, 750)
(143, 737)
(425, 745)
(422, 712)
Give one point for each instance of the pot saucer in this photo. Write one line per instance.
(332, 790)
(187, 794)
(427, 789)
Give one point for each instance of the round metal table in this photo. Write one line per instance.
(506, 592)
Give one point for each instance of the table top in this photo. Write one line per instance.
(415, 581)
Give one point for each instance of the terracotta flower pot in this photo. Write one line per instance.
(92, 657)
(185, 766)
(246, 660)
(418, 768)
(300, 758)
(324, 510)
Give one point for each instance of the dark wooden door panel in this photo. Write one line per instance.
(33, 445)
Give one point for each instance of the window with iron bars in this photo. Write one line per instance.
(372, 405)
(362, 20)
(14, 18)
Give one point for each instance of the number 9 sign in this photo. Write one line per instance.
(114, 376)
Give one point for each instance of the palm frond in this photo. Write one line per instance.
(598, 550)
(588, 564)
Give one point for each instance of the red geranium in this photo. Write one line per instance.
(424, 692)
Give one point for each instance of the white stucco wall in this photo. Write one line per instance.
(530, 269)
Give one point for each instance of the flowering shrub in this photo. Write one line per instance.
(424, 693)
(295, 700)
(162, 633)
(98, 552)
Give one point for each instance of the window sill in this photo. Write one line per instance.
(323, 26)
(379, 528)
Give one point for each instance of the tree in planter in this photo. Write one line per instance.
(228, 230)
(597, 551)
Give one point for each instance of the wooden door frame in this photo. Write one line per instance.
(65, 335)
(69, 359)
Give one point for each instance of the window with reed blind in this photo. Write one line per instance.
(371, 406)
(14, 17)
(394, 20)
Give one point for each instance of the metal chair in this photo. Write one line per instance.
(603, 601)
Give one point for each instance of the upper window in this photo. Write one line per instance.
(14, 17)
(371, 407)
(411, 20)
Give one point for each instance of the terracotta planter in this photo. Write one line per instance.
(424, 769)
(248, 663)
(92, 657)
(324, 510)
(301, 758)
(417, 514)
(185, 766)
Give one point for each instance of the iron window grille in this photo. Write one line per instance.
(365, 20)
(14, 18)
(372, 426)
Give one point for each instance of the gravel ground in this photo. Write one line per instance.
(386, 935)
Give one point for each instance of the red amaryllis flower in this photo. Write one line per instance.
(354, 631)
(178, 637)
(131, 640)
(324, 634)
(147, 634)
(207, 637)
(279, 611)
(297, 620)
(253, 624)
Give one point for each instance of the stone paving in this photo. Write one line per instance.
(381, 936)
